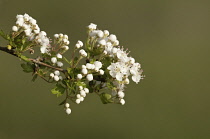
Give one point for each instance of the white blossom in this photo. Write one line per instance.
(122, 101)
(53, 60)
(67, 105)
(15, 28)
(52, 75)
(98, 64)
(59, 56)
(84, 71)
(81, 99)
(121, 94)
(92, 26)
(79, 76)
(106, 32)
(86, 90)
(68, 111)
(59, 64)
(101, 72)
(57, 72)
(83, 53)
(89, 77)
(78, 101)
(112, 38)
(56, 78)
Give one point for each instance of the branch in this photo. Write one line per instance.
(5, 49)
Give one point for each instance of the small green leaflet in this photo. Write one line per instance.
(106, 98)
(27, 67)
(58, 90)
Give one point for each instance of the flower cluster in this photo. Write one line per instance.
(99, 65)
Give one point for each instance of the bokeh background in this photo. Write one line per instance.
(170, 38)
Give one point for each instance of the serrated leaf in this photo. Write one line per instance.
(58, 90)
(27, 67)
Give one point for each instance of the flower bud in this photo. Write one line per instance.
(84, 71)
(56, 36)
(82, 99)
(101, 72)
(79, 76)
(89, 77)
(82, 93)
(52, 75)
(15, 28)
(106, 32)
(59, 56)
(121, 94)
(53, 60)
(67, 105)
(57, 72)
(68, 111)
(77, 101)
(56, 78)
(122, 101)
(59, 64)
(112, 38)
(86, 90)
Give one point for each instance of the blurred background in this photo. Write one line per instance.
(170, 38)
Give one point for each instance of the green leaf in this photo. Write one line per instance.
(106, 98)
(58, 90)
(34, 77)
(27, 67)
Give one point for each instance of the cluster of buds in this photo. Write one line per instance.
(99, 65)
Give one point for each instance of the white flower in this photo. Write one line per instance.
(56, 78)
(77, 101)
(89, 77)
(59, 56)
(101, 72)
(82, 99)
(83, 53)
(106, 32)
(86, 90)
(77, 46)
(127, 81)
(136, 78)
(56, 36)
(57, 72)
(100, 33)
(52, 75)
(28, 32)
(65, 47)
(92, 26)
(84, 67)
(121, 94)
(60, 35)
(89, 66)
(78, 96)
(59, 64)
(79, 76)
(80, 43)
(67, 105)
(80, 87)
(53, 60)
(122, 101)
(112, 38)
(102, 42)
(116, 42)
(15, 28)
(82, 93)
(68, 111)
(98, 64)
(84, 71)
(65, 37)
(43, 49)
(93, 33)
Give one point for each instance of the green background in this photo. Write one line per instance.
(170, 38)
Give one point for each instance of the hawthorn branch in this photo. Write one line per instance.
(12, 52)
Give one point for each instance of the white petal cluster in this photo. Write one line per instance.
(82, 94)
(79, 44)
(29, 26)
(102, 37)
(67, 109)
(56, 76)
(83, 53)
